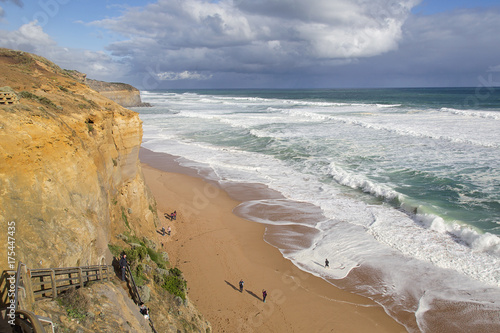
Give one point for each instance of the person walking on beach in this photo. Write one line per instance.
(123, 265)
(241, 286)
(163, 231)
(169, 230)
(327, 263)
(264, 295)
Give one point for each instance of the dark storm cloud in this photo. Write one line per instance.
(253, 37)
(284, 43)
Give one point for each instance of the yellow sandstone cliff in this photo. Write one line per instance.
(70, 184)
(70, 176)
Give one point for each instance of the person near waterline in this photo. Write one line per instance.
(123, 265)
(264, 295)
(241, 286)
(327, 263)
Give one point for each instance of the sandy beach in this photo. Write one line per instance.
(215, 249)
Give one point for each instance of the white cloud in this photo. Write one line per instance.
(31, 38)
(494, 68)
(186, 75)
(232, 35)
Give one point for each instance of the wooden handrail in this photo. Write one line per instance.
(49, 282)
(139, 296)
(29, 322)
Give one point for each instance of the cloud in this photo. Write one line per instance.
(2, 12)
(17, 2)
(283, 43)
(31, 38)
(186, 75)
(255, 36)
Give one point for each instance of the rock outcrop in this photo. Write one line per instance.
(122, 93)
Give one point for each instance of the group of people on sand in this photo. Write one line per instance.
(264, 292)
(171, 217)
(168, 231)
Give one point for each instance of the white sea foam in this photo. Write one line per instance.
(473, 113)
(331, 155)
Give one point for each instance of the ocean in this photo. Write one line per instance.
(398, 188)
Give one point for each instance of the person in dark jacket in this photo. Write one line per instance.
(123, 265)
(144, 310)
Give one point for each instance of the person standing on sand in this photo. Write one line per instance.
(327, 263)
(123, 265)
(264, 295)
(241, 286)
(163, 231)
(169, 230)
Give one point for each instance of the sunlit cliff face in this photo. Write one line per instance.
(70, 177)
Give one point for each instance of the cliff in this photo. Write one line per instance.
(70, 177)
(122, 93)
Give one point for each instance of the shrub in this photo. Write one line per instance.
(157, 258)
(136, 253)
(75, 303)
(139, 276)
(175, 284)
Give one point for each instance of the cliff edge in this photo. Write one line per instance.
(122, 93)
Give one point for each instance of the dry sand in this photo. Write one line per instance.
(215, 249)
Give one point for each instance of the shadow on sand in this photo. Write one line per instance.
(231, 285)
(253, 294)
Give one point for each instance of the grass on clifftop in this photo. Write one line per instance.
(42, 100)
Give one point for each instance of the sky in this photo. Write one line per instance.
(217, 44)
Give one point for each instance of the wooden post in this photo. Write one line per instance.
(80, 276)
(30, 297)
(100, 273)
(54, 285)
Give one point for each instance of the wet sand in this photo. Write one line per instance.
(215, 249)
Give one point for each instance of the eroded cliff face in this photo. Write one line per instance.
(123, 94)
(70, 176)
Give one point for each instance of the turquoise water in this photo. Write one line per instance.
(383, 166)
